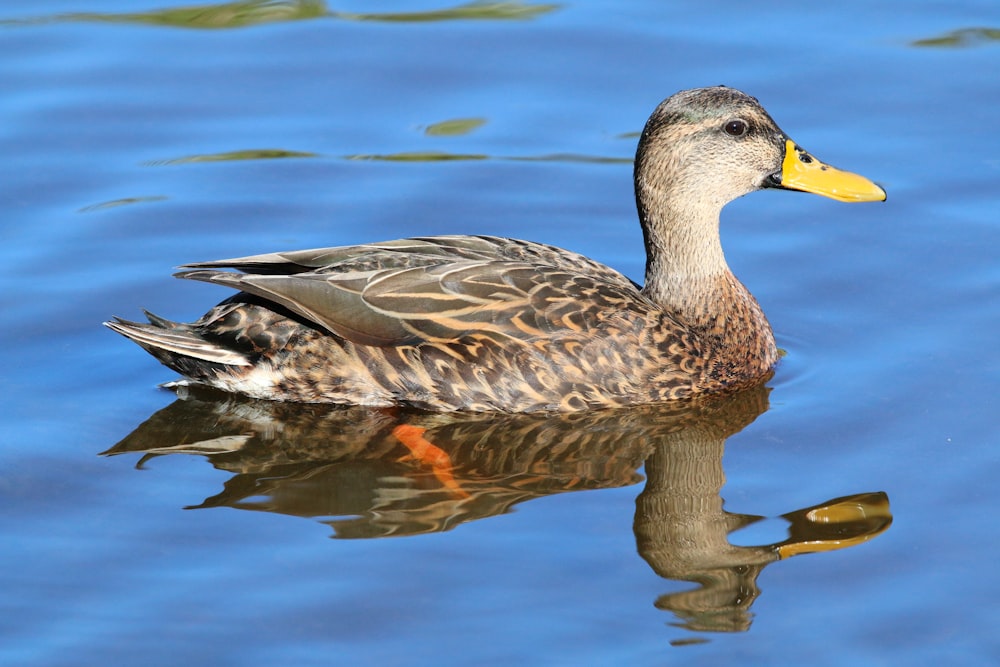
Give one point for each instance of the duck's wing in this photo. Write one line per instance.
(402, 253)
(438, 288)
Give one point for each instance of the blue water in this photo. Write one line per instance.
(135, 139)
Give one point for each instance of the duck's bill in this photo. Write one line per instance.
(801, 171)
(836, 524)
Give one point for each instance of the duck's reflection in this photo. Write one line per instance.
(377, 473)
(682, 530)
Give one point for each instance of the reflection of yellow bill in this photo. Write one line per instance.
(837, 524)
(801, 171)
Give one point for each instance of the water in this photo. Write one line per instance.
(138, 138)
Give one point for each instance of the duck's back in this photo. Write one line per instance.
(444, 323)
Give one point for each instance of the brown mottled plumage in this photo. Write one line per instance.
(485, 323)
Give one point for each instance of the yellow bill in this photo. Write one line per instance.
(801, 171)
(836, 524)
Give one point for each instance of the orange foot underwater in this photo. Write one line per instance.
(429, 454)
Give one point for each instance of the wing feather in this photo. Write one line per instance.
(437, 288)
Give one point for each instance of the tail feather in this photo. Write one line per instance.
(156, 320)
(164, 338)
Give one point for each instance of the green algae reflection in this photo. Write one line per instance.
(244, 13)
(963, 37)
(123, 201)
(233, 156)
(455, 127)
(470, 11)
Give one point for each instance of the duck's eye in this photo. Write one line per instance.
(736, 128)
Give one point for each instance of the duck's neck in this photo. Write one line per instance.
(687, 274)
(684, 258)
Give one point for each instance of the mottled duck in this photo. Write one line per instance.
(487, 323)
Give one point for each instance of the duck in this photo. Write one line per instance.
(485, 323)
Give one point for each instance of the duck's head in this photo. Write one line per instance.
(702, 148)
